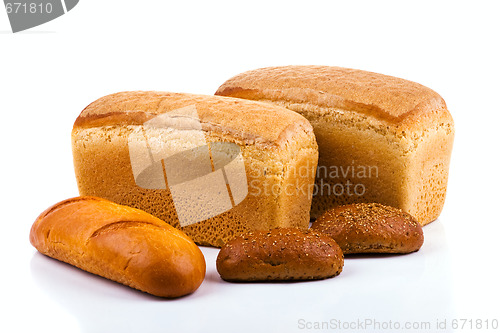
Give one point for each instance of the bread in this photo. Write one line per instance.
(120, 243)
(381, 139)
(371, 228)
(253, 152)
(280, 254)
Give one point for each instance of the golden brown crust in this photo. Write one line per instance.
(275, 144)
(382, 97)
(254, 121)
(371, 228)
(280, 254)
(120, 243)
(364, 121)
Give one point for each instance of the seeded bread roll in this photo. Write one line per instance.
(381, 138)
(122, 244)
(212, 166)
(371, 228)
(280, 254)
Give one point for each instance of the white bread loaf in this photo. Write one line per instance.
(381, 139)
(212, 166)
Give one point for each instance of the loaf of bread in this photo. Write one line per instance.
(122, 244)
(371, 228)
(212, 166)
(280, 254)
(381, 139)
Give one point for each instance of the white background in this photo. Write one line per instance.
(50, 73)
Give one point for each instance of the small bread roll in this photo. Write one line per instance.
(280, 254)
(120, 243)
(371, 228)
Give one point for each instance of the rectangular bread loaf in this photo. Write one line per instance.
(212, 166)
(381, 139)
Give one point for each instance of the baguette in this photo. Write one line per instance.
(122, 244)
(381, 138)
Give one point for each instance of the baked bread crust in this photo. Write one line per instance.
(371, 228)
(120, 243)
(253, 123)
(280, 254)
(274, 142)
(379, 97)
(364, 120)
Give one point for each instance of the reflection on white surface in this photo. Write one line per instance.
(398, 288)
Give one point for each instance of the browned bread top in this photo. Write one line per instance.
(371, 228)
(380, 96)
(120, 243)
(247, 120)
(280, 254)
